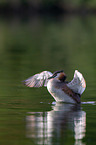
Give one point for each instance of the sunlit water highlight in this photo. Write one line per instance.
(89, 102)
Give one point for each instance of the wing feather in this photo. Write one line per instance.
(38, 80)
(78, 83)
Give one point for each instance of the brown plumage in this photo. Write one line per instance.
(62, 76)
(69, 92)
(63, 86)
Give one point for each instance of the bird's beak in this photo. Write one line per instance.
(51, 77)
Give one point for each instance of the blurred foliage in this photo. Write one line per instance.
(57, 5)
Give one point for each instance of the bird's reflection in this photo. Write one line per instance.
(46, 127)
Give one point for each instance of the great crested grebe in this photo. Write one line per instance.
(58, 87)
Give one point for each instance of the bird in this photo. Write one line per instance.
(58, 87)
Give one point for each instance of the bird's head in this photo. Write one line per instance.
(59, 75)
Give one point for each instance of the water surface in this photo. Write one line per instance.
(29, 46)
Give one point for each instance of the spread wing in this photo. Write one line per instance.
(78, 83)
(38, 80)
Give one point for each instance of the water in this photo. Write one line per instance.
(27, 115)
(58, 126)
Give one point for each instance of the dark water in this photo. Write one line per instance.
(27, 115)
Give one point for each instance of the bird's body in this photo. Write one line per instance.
(61, 90)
